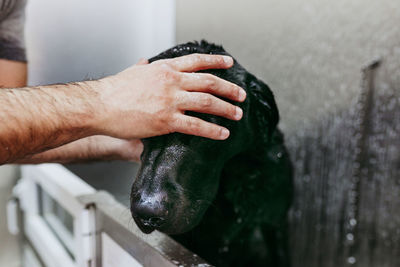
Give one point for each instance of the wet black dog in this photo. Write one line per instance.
(225, 200)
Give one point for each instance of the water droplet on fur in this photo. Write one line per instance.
(350, 237)
(353, 222)
(351, 260)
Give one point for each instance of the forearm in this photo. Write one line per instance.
(92, 148)
(33, 120)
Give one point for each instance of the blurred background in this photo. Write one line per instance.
(332, 65)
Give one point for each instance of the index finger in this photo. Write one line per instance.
(196, 62)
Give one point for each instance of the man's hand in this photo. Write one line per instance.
(142, 101)
(150, 99)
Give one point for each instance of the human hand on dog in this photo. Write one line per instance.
(150, 99)
(143, 101)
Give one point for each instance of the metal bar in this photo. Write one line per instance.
(99, 220)
(363, 128)
(45, 243)
(156, 249)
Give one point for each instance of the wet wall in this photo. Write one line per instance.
(333, 66)
(346, 210)
(310, 52)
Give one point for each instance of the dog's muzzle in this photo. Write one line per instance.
(150, 212)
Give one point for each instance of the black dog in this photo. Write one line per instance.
(225, 200)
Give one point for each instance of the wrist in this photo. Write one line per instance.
(97, 108)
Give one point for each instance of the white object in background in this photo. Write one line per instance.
(97, 231)
(46, 244)
(88, 235)
(113, 255)
(12, 216)
(29, 258)
(42, 187)
(80, 39)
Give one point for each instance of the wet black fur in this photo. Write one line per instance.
(225, 200)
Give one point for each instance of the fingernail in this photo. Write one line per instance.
(224, 133)
(242, 95)
(228, 60)
(238, 113)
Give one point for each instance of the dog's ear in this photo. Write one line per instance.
(265, 107)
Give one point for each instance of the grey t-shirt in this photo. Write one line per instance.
(12, 17)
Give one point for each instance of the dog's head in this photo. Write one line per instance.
(179, 176)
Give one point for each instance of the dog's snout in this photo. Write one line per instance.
(150, 213)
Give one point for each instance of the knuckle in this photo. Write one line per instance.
(213, 131)
(173, 124)
(220, 60)
(206, 101)
(189, 124)
(169, 75)
(162, 121)
(173, 76)
(235, 91)
(210, 81)
(231, 110)
(163, 64)
(169, 122)
(197, 56)
(194, 126)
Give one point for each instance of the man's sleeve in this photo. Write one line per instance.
(12, 19)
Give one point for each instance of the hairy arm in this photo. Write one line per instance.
(142, 101)
(13, 74)
(33, 120)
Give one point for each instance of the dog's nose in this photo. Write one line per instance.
(149, 215)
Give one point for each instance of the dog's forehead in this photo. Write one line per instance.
(182, 49)
(258, 93)
(202, 47)
(236, 74)
(177, 141)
